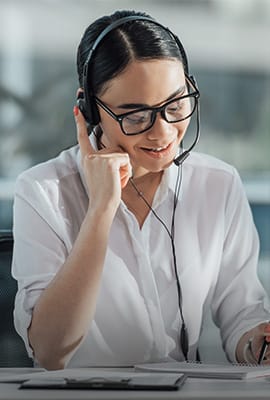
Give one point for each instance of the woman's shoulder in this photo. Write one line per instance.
(50, 178)
(205, 165)
(59, 167)
(203, 168)
(203, 162)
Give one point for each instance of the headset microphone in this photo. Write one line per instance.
(181, 158)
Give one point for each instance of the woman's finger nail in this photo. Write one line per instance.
(75, 110)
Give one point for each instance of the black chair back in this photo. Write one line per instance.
(12, 349)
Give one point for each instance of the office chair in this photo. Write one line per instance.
(12, 349)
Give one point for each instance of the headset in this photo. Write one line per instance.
(89, 109)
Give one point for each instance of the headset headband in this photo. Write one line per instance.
(122, 21)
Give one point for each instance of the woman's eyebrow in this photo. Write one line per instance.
(131, 106)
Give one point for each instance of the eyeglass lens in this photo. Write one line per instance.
(175, 111)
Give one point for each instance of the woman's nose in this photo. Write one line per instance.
(160, 129)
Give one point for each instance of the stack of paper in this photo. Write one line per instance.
(200, 370)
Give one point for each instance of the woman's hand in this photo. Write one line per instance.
(106, 171)
(249, 346)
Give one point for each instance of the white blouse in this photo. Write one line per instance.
(137, 317)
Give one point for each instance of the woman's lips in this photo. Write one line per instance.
(158, 152)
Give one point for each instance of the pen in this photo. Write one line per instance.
(263, 351)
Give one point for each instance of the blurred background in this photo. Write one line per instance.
(227, 42)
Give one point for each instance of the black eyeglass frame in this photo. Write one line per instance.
(119, 117)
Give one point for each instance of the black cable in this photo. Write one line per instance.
(183, 332)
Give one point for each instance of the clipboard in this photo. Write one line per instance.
(167, 382)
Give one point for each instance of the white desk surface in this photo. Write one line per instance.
(193, 389)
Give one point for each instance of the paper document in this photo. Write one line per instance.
(201, 370)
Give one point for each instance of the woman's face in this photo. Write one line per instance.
(145, 84)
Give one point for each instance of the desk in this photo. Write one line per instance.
(193, 389)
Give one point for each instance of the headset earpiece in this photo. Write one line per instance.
(89, 111)
(81, 104)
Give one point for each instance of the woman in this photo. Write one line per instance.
(118, 251)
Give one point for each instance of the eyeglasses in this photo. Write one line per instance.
(140, 120)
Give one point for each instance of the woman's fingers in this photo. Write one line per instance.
(82, 134)
(267, 331)
(266, 344)
(125, 174)
(261, 335)
(88, 152)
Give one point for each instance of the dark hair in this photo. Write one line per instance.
(136, 39)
